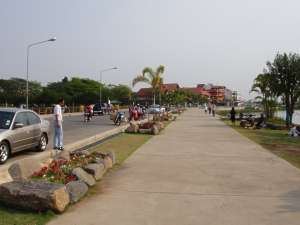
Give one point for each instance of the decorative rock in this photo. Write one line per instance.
(145, 131)
(133, 128)
(63, 155)
(107, 162)
(98, 161)
(84, 176)
(82, 152)
(76, 189)
(112, 155)
(160, 125)
(35, 195)
(97, 170)
(113, 116)
(155, 130)
(23, 169)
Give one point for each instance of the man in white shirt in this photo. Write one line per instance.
(58, 128)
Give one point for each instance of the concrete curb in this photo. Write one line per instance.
(44, 156)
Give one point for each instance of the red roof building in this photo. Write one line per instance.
(169, 87)
(220, 94)
(197, 91)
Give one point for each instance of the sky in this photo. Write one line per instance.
(198, 41)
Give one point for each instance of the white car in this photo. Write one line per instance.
(155, 109)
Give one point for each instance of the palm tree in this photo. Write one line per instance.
(264, 87)
(151, 77)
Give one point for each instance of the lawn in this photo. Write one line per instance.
(9, 216)
(276, 141)
(123, 146)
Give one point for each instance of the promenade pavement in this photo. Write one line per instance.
(197, 172)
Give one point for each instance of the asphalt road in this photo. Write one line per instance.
(75, 129)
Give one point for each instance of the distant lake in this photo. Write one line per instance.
(296, 116)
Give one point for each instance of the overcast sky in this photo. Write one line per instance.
(199, 41)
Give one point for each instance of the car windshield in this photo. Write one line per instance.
(6, 119)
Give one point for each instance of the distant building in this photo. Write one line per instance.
(145, 95)
(197, 90)
(220, 94)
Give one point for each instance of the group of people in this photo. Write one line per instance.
(136, 112)
(210, 108)
(107, 108)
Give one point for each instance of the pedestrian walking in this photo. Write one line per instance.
(232, 115)
(58, 125)
(205, 108)
(209, 108)
(213, 109)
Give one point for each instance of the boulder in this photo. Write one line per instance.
(84, 176)
(145, 131)
(98, 161)
(63, 155)
(112, 155)
(107, 162)
(113, 116)
(35, 195)
(81, 152)
(76, 189)
(155, 130)
(160, 125)
(23, 169)
(133, 128)
(95, 169)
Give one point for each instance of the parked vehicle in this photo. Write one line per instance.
(247, 121)
(98, 109)
(154, 109)
(120, 118)
(21, 129)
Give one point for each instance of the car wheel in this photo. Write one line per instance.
(4, 152)
(43, 143)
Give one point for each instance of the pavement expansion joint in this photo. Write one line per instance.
(295, 197)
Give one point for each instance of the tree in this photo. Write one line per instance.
(151, 77)
(14, 91)
(121, 93)
(285, 77)
(263, 85)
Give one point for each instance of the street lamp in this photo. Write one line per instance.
(27, 72)
(100, 89)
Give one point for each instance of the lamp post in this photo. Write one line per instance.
(100, 89)
(27, 71)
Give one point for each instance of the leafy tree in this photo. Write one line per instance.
(151, 77)
(121, 93)
(285, 77)
(263, 85)
(13, 91)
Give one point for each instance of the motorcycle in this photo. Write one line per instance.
(120, 118)
(247, 121)
(88, 113)
(87, 116)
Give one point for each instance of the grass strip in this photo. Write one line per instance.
(123, 146)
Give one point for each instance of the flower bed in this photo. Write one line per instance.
(60, 171)
(65, 180)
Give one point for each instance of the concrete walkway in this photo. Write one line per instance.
(198, 172)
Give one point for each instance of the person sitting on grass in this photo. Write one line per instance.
(261, 122)
(294, 131)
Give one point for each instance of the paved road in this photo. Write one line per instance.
(74, 130)
(198, 172)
